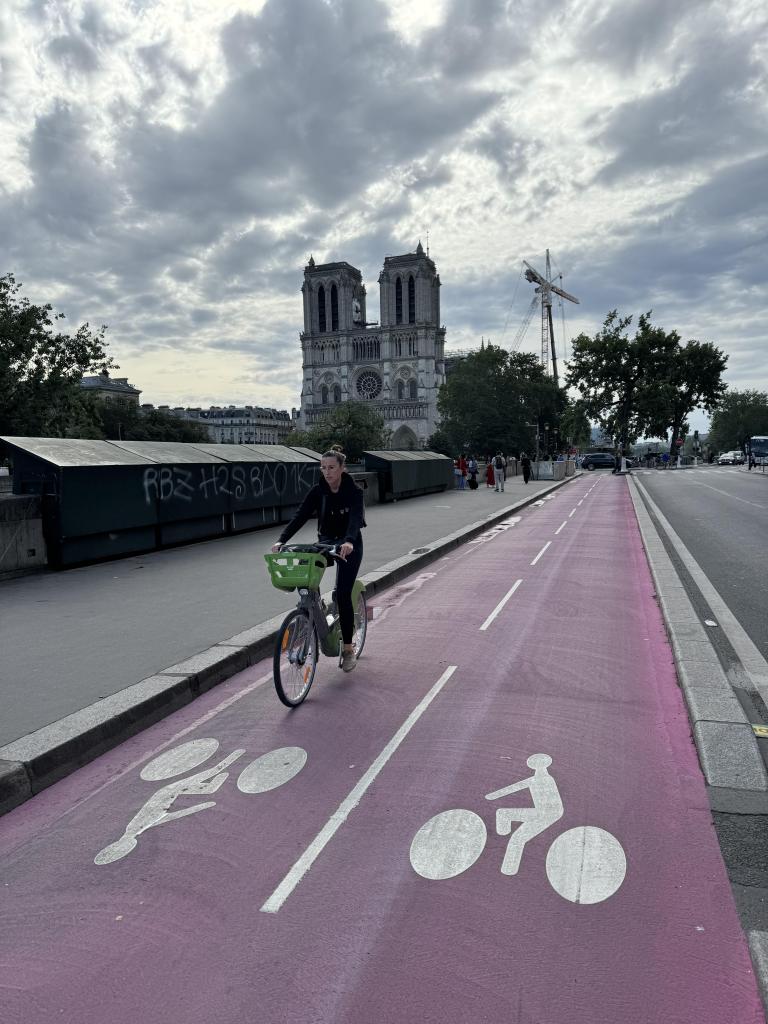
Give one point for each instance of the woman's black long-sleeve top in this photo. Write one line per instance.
(340, 515)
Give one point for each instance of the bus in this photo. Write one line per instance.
(758, 446)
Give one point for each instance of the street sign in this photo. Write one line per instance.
(679, 441)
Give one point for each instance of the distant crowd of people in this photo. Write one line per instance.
(467, 469)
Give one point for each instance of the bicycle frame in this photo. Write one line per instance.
(328, 635)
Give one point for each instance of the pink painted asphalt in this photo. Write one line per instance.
(576, 665)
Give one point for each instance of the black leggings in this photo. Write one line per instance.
(346, 574)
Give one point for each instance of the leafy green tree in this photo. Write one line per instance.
(492, 401)
(692, 379)
(644, 385)
(356, 426)
(609, 370)
(739, 416)
(121, 419)
(575, 425)
(41, 368)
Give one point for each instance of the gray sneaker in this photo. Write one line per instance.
(348, 661)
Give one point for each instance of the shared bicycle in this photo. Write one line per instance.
(312, 626)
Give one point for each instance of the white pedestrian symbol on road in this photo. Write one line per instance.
(584, 864)
(267, 772)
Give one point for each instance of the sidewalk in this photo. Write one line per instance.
(128, 642)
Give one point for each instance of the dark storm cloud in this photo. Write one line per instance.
(622, 34)
(510, 153)
(72, 189)
(74, 54)
(717, 108)
(161, 66)
(354, 103)
(96, 27)
(478, 36)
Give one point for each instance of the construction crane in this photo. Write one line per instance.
(525, 324)
(543, 295)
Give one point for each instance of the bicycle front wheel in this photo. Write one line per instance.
(361, 624)
(295, 658)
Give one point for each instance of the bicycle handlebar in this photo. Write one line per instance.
(332, 550)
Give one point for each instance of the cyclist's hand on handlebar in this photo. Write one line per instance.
(345, 550)
(277, 547)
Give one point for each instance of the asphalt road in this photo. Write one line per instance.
(721, 515)
(69, 638)
(360, 859)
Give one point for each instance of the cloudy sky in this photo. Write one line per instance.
(168, 166)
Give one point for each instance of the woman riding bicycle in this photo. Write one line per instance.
(337, 502)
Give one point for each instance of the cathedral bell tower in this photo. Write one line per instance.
(397, 366)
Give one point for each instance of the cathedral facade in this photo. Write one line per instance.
(397, 365)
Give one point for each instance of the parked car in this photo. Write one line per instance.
(598, 460)
(731, 459)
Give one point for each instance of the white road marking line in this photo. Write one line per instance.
(564, 523)
(751, 658)
(340, 815)
(499, 606)
(729, 495)
(541, 552)
(578, 503)
(571, 512)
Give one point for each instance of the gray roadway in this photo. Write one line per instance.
(69, 638)
(721, 515)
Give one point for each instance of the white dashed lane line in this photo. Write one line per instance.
(564, 523)
(541, 552)
(500, 605)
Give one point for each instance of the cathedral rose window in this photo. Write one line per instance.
(369, 384)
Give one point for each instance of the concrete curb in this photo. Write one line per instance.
(728, 752)
(725, 741)
(34, 762)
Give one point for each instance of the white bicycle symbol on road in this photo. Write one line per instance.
(584, 865)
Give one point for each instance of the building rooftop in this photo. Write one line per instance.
(103, 382)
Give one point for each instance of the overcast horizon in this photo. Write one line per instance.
(168, 168)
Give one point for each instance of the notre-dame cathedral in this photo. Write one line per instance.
(397, 364)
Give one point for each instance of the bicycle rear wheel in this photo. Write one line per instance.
(361, 624)
(295, 658)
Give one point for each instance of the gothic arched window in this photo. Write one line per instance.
(334, 308)
(324, 395)
(400, 391)
(412, 390)
(337, 393)
(321, 309)
(411, 300)
(398, 301)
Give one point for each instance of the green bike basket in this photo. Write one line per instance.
(291, 569)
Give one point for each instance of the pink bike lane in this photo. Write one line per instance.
(308, 885)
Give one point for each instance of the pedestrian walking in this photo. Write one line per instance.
(499, 464)
(473, 469)
(463, 471)
(525, 464)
